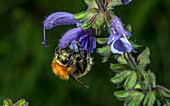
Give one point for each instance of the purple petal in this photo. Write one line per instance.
(127, 33)
(59, 18)
(126, 1)
(120, 46)
(113, 37)
(117, 25)
(71, 35)
(73, 46)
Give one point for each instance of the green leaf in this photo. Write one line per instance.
(130, 81)
(152, 78)
(149, 99)
(119, 67)
(87, 24)
(143, 77)
(104, 50)
(99, 20)
(129, 28)
(131, 61)
(21, 102)
(137, 86)
(106, 57)
(122, 94)
(134, 44)
(143, 58)
(102, 41)
(136, 101)
(109, 16)
(112, 3)
(91, 3)
(7, 102)
(85, 14)
(121, 60)
(162, 92)
(120, 77)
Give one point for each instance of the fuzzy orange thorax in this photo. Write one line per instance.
(60, 71)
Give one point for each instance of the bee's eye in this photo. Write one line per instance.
(66, 60)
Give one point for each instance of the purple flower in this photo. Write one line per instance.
(84, 38)
(58, 18)
(119, 42)
(126, 1)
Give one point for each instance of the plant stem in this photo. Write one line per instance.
(131, 62)
(100, 5)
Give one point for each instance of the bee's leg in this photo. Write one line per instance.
(84, 65)
(79, 67)
(78, 81)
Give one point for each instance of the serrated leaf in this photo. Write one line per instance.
(130, 81)
(120, 77)
(149, 99)
(121, 60)
(143, 58)
(91, 3)
(102, 41)
(122, 94)
(99, 20)
(118, 67)
(152, 78)
(136, 101)
(7, 102)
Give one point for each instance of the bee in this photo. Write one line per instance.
(69, 63)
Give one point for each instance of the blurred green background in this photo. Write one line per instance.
(25, 64)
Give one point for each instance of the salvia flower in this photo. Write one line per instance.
(126, 1)
(119, 42)
(87, 42)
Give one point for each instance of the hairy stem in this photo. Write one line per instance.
(100, 5)
(132, 63)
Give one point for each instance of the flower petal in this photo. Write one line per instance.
(113, 36)
(73, 46)
(71, 35)
(126, 1)
(117, 25)
(120, 46)
(59, 18)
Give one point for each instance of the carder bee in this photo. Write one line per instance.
(69, 63)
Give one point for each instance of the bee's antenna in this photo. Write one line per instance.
(78, 81)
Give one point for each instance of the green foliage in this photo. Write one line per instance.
(140, 86)
(143, 58)
(21, 102)
(120, 77)
(118, 67)
(149, 99)
(130, 81)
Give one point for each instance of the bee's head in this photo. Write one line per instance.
(64, 57)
